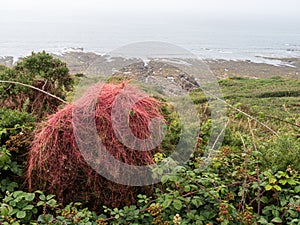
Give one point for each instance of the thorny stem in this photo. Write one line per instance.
(243, 200)
(257, 170)
(35, 88)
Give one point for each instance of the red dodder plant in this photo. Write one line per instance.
(57, 166)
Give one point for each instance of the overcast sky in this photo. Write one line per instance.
(111, 23)
(214, 8)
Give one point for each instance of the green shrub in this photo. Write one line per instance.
(42, 71)
(2, 68)
(282, 152)
(12, 122)
(8, 169)
(15, 137)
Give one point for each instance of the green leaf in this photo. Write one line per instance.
(50, 196)
(21, 214)
(268, 187)
(217, 165)
(272, 180)
(256, 153)
(165, 178)
(297, 189)
(21, 204)
(197, 202)
(262, 221)
(42, 197)
(291, 181)
(28, 207)
(268, 174)
(4, 211)
(34, 210)
(264, 199)
(166, 203)
(41, 219)
(77, 204)
(283, 182)
(40, 203)
(39, 192)
(278, 188)
(17, 193)
(173, 178)
(30, 196)
(187, 188)
(276, 220)
(280, 174)
(52, 202)
(177, 204)
(45, 218)
(190, 215)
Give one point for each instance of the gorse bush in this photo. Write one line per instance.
(42, 71)
(46, 69)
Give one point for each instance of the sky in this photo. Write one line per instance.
(33, 9)
(27, 23)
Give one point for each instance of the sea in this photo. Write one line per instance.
(257, 40)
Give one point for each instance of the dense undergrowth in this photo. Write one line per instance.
(254, 178)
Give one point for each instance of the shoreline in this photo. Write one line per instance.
(230, 68)
(80, 61)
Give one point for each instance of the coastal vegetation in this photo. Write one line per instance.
(253, 179)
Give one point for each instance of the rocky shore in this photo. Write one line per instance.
(170, 79)
(80, 63)
(7, 61)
